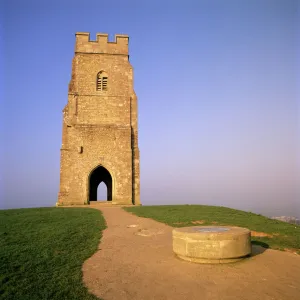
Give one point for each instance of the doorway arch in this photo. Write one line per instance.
(98, 175)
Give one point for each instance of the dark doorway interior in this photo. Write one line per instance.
(99, 175)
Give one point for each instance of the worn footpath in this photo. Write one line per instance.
(135, 261)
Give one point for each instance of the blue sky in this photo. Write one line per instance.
(218, 90)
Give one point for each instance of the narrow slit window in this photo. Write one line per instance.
(102, 80)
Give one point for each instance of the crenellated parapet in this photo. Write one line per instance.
(101, 46)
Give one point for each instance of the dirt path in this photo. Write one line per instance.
(137, 263)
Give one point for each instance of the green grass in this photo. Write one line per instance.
(285, 235)
(42, 251)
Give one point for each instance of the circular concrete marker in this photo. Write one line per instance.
(212, 244)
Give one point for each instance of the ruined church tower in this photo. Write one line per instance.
(100, 130)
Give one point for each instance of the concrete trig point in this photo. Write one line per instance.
(212, 244)
(100, 129)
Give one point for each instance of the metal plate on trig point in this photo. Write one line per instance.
(212, 229)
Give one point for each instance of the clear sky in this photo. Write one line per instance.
(218, 89)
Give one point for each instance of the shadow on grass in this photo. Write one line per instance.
(258, 247)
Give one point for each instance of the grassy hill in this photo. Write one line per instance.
(43, 249)
(266, 232)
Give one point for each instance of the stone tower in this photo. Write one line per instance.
(100, 130)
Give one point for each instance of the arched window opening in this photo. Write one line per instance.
(102, 79)
(102, 192)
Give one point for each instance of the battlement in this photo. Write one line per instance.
(102, 46)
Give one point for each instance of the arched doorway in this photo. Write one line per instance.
(98, 175)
